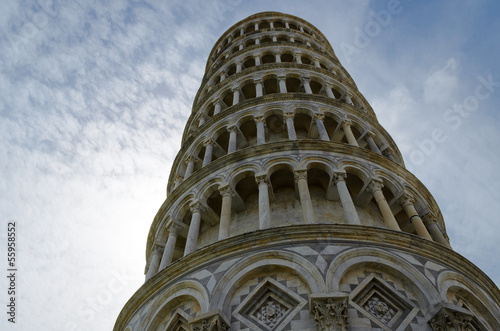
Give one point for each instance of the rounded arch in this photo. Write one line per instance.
(385, 262)
(281, 163)
(306, 271)
(247, 170)
(450, 282)
(167, 301)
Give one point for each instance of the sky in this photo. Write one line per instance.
(95, 95)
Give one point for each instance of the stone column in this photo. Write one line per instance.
(308, 44)
(282, 84)
(201, 120)
(307, 87)
(264, 209)
(190, 166)
(240, 47)
(292, 40)
(350, 213)
(155, 261)
(316, 62)
(236, 95)
(231, 148)
(256, 26)
(347, 99)
(305, 198)
(257, 60)
(217, 107)
(371, 142)
(431, 223)
(239, 67)
(277, 57)
(194, 228)
(298, 58)
(387, 153)
(242, 31)
(258, 87)
(290, 126)
(329, 91)
(177, 181)
(225, 214)
(407, 201)
(271, 25)
(275, 39)
(261, 137)
(223, 76)
(390, 221)
(168, 252)
(209, 147)
(301, 28)
(321, 127)
(287, 26)
(346, 125)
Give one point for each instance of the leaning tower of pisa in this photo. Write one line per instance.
(289, 207)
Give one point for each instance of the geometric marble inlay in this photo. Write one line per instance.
(269, 307)
(382, 304)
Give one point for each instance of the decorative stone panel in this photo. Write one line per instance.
(329, 311)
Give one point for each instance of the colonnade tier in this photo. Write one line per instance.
(378, 192)
(289, 55)
(270, 75)
(326, 120)
(263, 22)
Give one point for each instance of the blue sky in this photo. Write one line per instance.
(95, 95)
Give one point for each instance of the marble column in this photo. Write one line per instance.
(385, 210)
(217, 107)
(168, 252)
(282, 84)
(190, 166)
(323, 135)
(201, 121)
(305, 197)
(316, 62)
(329, 91)
(290, 126)
(350, 213)
(388, 154)
(223, 76)
(257, 60)
(239, 67)
(240, 47)
(225, 214)
(194, 228)
(261, 136)
(236, 95)
(346, 126)
(277, 57)
(348, 99)
(264, 208)
(155, 261)
(431, 224)
(371, 142)
(307, 86)
(231, 148)
(258, 87)
(298, 58)
(407, 201)
(209, 147)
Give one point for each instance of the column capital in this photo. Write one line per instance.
(329, 311)
(387, 151)
(376, 185)
(196, 207)
(319, 116)
(258, 80)
(217, 101)
(174, 227)
(346, 122)
(297, 53)
(262, 178)
(235, 88)
(208, 141)
(260, 119)
(406, 199)
(231, 128)
(429, 218)
(191, 158)
(300, 174)
(370, 134)
(157, 248)
(281, 77)
(339, 176)
(288, 115)
(178, 178)
(226, 190)
(306, 79)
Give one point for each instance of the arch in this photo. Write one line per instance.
(306, 271)
(171, 297)
(449, 282)
(385, 261)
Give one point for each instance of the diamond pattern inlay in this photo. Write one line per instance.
(380, 309)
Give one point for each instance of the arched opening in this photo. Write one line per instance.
(227, 99)
(302, 123)
(266, 39)
(270, 86)
(248, 90)
(249, 63)
(306, 59)
(268, 58)
(282, 39)
(248, 218)
(285, 208)
(292, 84)
(249, 43)
(231, 70)
(287, 57)
(275, 128)
(318, 182)
(279, 25)
(250, 28)
(263, 25)
(293, 26)
(235, 49)
(223, 141)
(331, 125)
(249, 131)
(315, 87)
